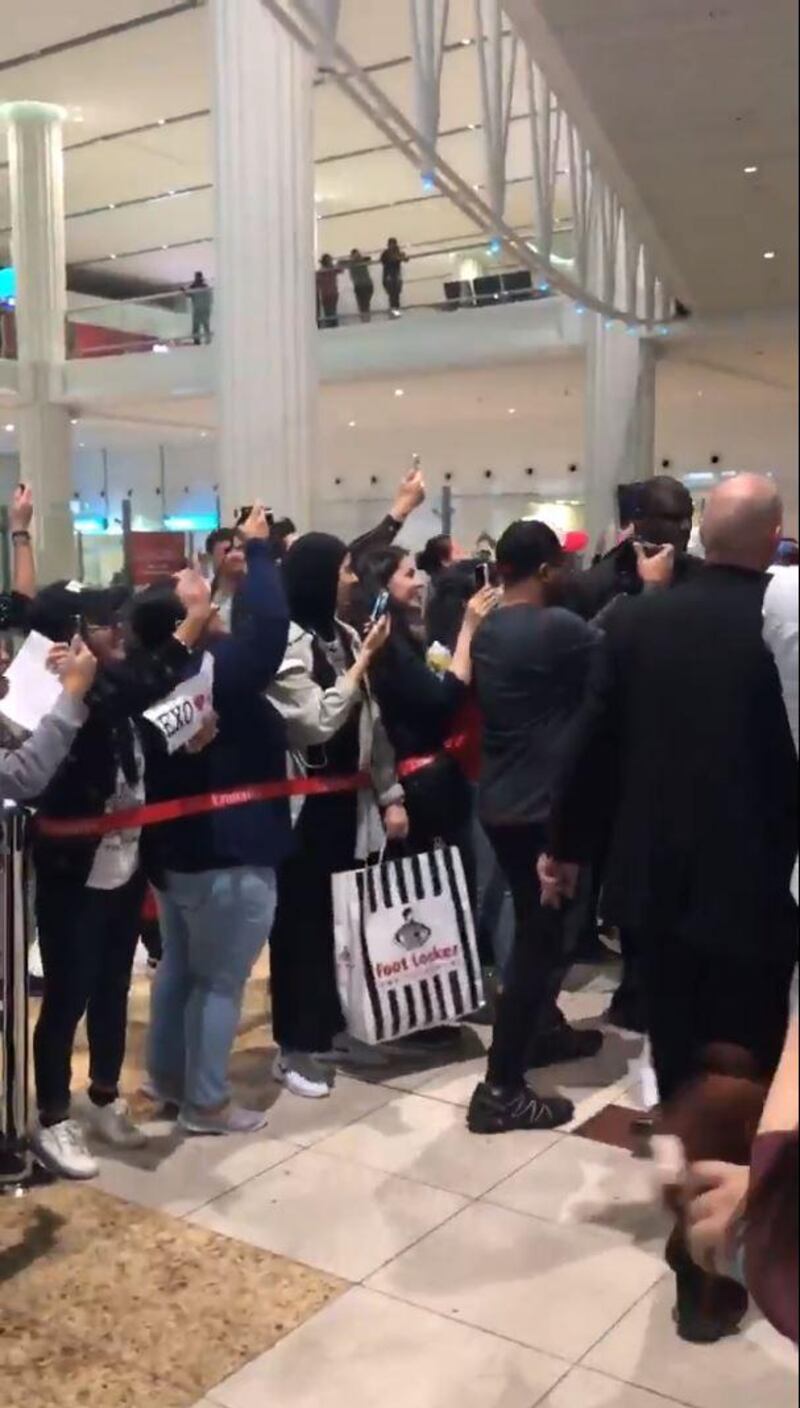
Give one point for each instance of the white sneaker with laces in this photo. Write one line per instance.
(112, 1124)
(61, 1149)
(302, 1074)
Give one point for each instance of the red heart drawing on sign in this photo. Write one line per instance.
(199, 702)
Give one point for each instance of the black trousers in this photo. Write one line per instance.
(696, 998)
(330, 310)
(527, 1004)
(394, 288)
(364, 294)
(306, 1013)
(87, 940)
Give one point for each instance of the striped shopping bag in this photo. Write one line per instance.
(406, 956)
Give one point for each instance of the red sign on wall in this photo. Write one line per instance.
(153, 556)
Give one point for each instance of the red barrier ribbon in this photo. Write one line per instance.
(156, 813)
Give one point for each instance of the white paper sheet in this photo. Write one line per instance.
(32, 689)
(182, 714)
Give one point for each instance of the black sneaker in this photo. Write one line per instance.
(494, 1111)
(565, 1044)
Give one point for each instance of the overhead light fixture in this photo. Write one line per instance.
(495, 246)
(351, 425)
(512, 410)
(112, 256)
(399, 391)
(466, 42)
(750, 170)
(111, 205)
(73, 420)
(162, 122)
(769, 253)
(9, 428)
(428, 183)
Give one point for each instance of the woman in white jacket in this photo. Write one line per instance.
(334, 729)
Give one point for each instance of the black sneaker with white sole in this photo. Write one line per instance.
(493, 1111)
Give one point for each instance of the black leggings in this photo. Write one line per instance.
(393, 285)
(87, 940)
(527, 1004)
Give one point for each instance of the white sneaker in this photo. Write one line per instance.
(232, 1119)
(111, 1124)
(61, 1149)
(302, 1075)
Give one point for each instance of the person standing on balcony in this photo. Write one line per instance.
(201, 298)
(393, 259)
(363, 287)
(328, 292)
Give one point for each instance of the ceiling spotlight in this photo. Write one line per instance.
(73, 420)
(111, 205)
(512, 410)
(466, 42)
(769, 253)
(351, 424)
(203, 434)
(9, 428)
(399, 391)
(162, 122)
(428, 182)
(112, 256)
(750, 170)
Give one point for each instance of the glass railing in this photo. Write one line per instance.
(449, 279)
(467, 276)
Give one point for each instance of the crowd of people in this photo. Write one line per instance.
(359, 267)
(632, 751)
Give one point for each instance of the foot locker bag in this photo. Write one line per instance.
(406, 956)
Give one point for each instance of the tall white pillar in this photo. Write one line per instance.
(266, 323)
(36, 180)
(620, 417)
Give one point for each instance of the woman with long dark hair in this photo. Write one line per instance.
(333, 728)
(420, 707)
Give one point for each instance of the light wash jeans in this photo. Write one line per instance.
(214, 925)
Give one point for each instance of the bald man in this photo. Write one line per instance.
(685, 766)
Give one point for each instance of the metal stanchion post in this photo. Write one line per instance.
(15, 1157)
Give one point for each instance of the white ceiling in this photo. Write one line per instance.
(117, 90)
(681, 96)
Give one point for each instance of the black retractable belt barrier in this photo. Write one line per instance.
(15, 1157)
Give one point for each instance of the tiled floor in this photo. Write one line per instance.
(517, 1272)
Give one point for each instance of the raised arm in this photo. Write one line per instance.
(409, 496)
(26, 771)
(249, 658)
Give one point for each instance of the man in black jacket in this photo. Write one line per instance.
(685, 759)
(662, 515)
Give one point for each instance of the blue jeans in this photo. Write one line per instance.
(214, 925)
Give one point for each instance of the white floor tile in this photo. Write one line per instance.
(177, 1174)
(579, 1182)
(584, 1389)
(366, 1351)
(471, 1068)
(330, 1214)
(428, 1140)
(755, 1369)
(307, 1121)
(454, 1084)
(557, 1289)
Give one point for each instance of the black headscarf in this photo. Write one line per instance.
(311, 577)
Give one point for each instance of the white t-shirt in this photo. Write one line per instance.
(117, 856)
(780, 633)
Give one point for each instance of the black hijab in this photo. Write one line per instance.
(311, 577)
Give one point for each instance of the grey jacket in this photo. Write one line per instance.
(313, 715)
(25, 771)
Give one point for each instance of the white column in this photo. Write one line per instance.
(620, 417)
(36, 181)
(266, 339)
